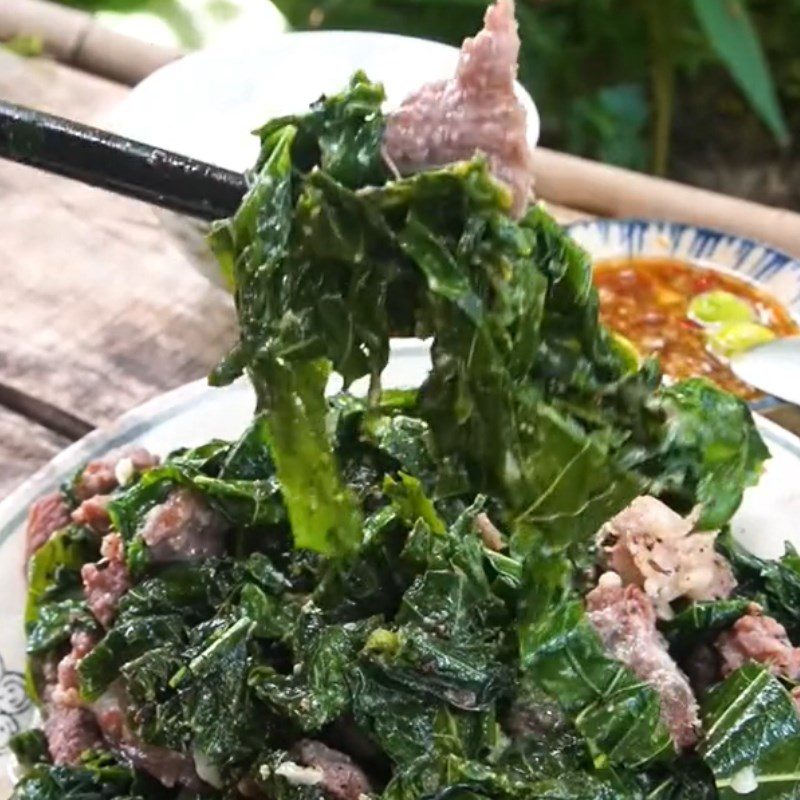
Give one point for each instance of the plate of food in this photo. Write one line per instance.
(502, 560)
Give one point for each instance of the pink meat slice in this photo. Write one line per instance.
(647, 544)
(46, 515)
(94, 513)
(65, 691)
(475, 111)
(183, 528)
(169, 767)
(100, 476)
(755, 638)
(625, 620)
(106, 582)
(70, 732)
(342, 778)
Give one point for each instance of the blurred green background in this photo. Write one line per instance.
(704, 91)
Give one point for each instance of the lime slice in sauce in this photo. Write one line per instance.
(736, 337)
(719, 307)
(627, 351)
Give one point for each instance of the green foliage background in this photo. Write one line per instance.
(607, 74)
(621, 81)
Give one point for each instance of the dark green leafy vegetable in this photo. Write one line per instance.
(693, 782)
(710, 444)
(318, 692)
(54, 623)
(520, 361)
(706, 619)
(321, 509)
(450, 767)
(121, 644)
(774, 584)
(100, 778)
(463, 673)
(618, 715)
(30, 748)
(401, 576)
(752, 737)
(55, 606)
(54, 570)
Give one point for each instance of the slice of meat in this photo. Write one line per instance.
(46, 515)
(65, 691)
(166, 766)
(94, 513)
(760, 639)
(102, 475)
(183, 528)
(70, 732)
(342, 778)
(625, 620)
(652, 547)
(169, 767)
(475, 111)
(108, 711)
(490, 535)
(112, 548)
(104, 583)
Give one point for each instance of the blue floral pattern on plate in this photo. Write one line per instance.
(772, 270)
(15, 707)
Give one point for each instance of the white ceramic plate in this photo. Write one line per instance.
(206, 105)
(195, 413)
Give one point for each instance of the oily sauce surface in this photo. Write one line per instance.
(647, 300)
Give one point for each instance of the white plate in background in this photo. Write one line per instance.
(207, 104)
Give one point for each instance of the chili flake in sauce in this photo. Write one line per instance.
(647, 301)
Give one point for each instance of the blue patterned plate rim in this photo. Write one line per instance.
(770, 260)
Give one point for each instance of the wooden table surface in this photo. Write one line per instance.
(98, 310)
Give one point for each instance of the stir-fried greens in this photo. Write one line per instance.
(387, 596)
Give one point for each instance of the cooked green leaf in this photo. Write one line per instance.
(703, 619)
(752, 737)
(126, 641)
(775, 584)
(711, 451)
(617, 714)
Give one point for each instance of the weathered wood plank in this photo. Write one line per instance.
(24, 447)
(98, 310)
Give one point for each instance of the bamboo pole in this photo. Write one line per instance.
(74, 37)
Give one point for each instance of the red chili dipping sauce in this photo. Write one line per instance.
(649, 301)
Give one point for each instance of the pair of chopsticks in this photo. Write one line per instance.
(112, 162)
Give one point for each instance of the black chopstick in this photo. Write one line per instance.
(120, 165)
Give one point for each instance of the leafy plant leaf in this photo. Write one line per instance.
(709, 444)
(775, 584)
(730, 31)
(752, 737)
(123, 643)
(617, 714)
(703, 619)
